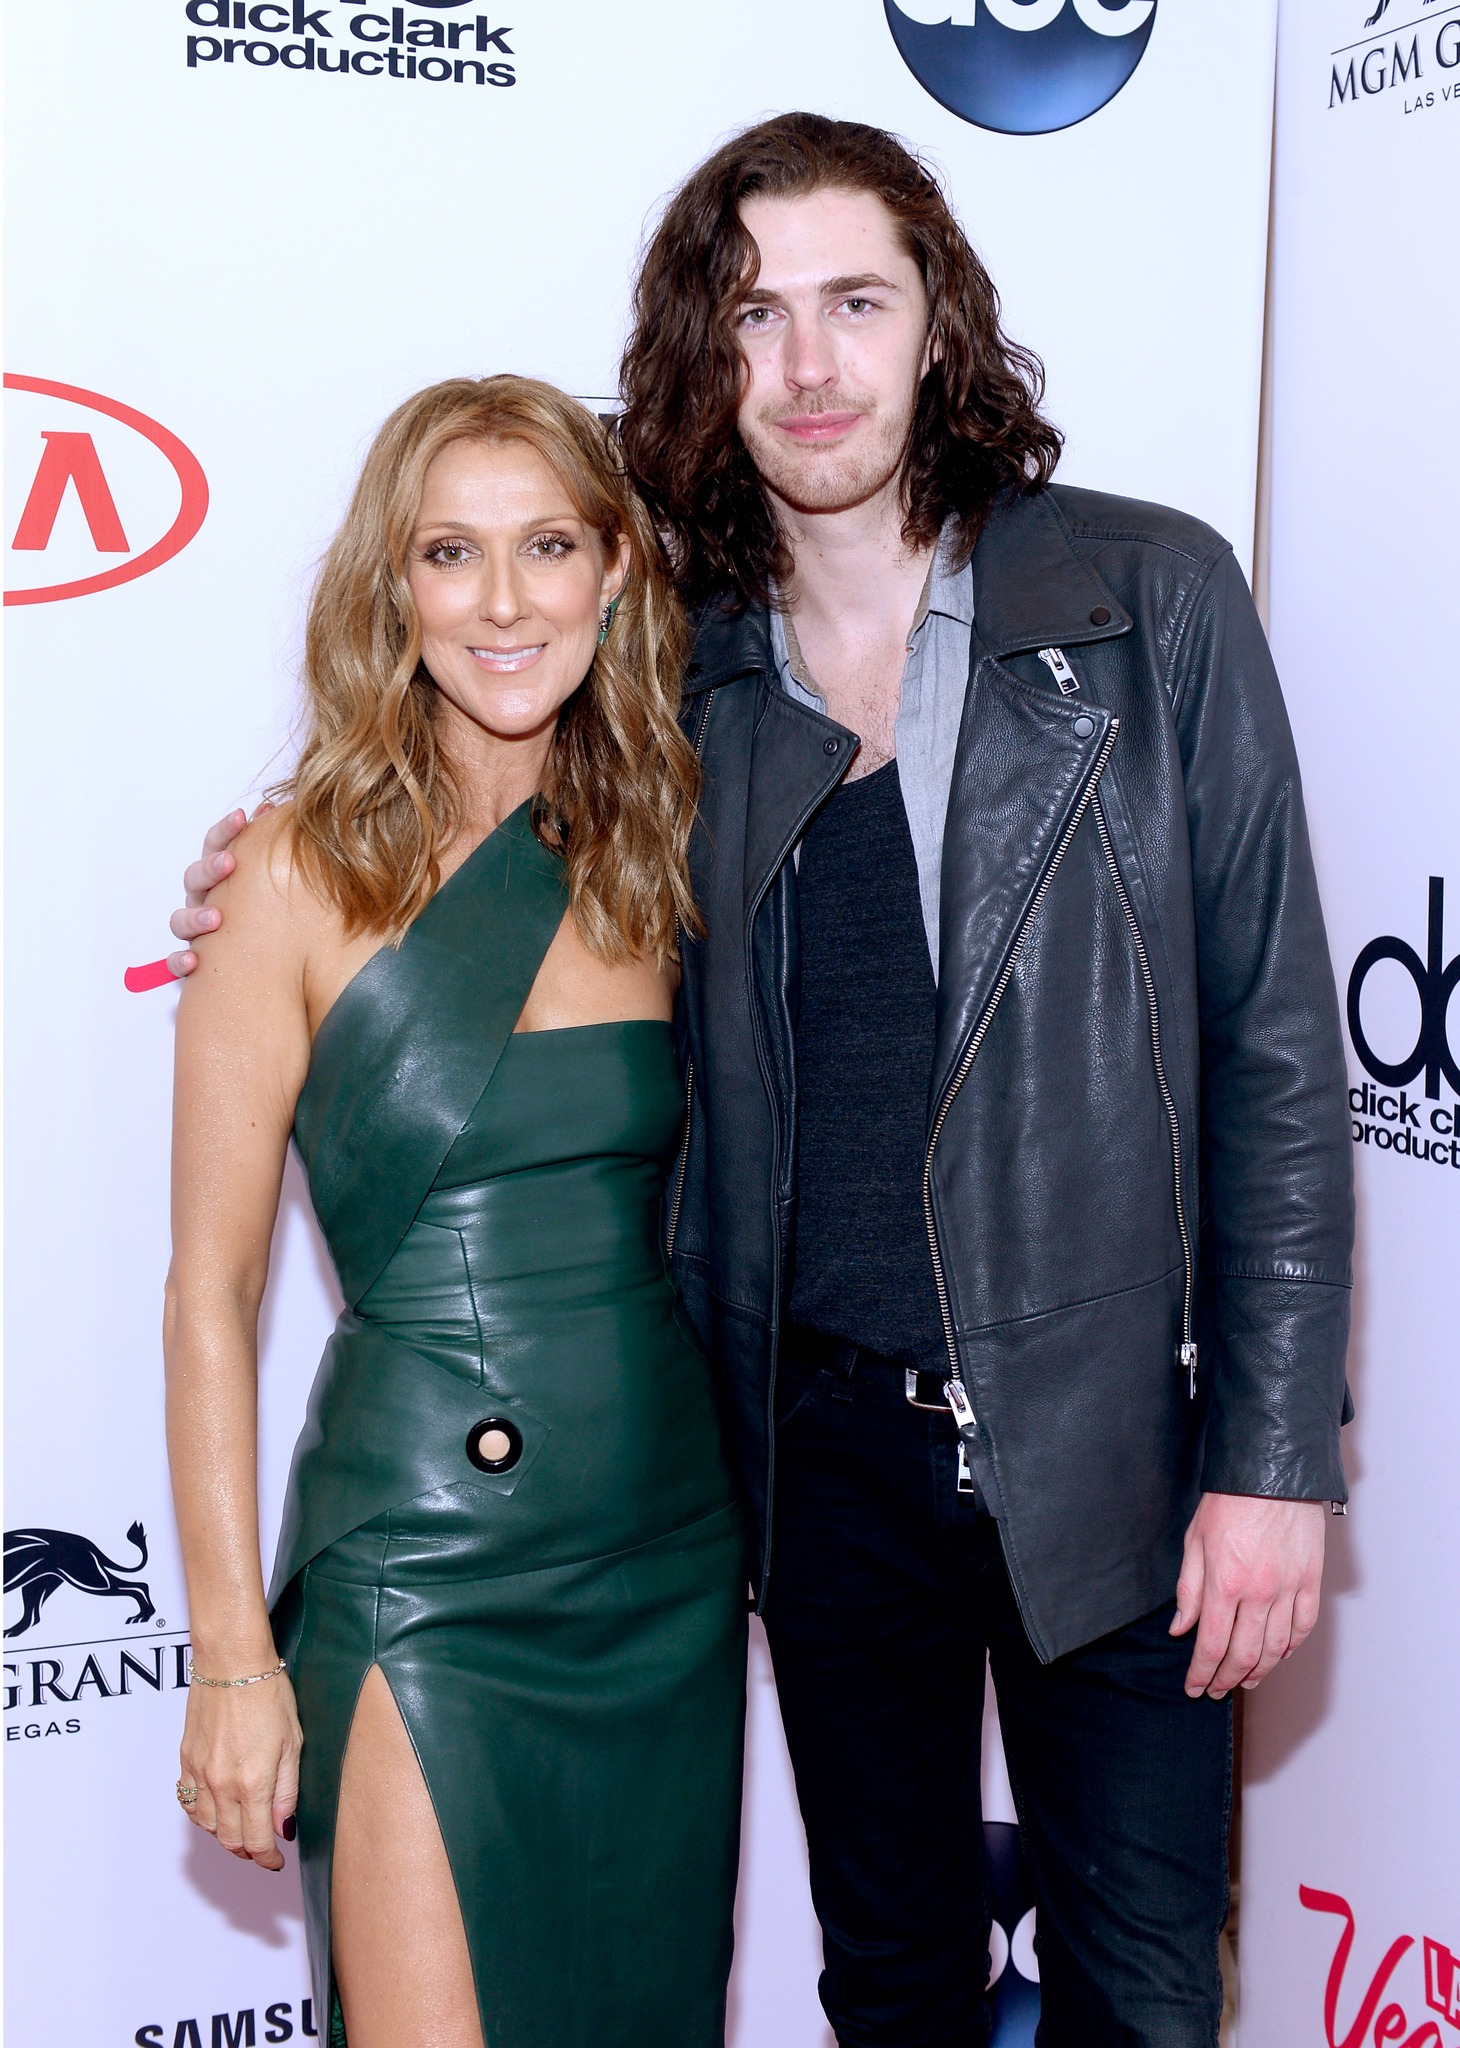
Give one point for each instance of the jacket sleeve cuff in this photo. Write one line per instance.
(1275, 1353)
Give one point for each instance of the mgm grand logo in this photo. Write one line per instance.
(1419, 57)
(40, 1563)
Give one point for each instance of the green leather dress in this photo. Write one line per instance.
(557, 1600)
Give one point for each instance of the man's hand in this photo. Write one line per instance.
(216, 865)
(1250, 1574)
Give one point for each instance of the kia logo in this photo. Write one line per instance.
(100, 479)
(1021, 67)
(1435, 984)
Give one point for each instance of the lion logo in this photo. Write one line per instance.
(38, 1562)
(1382, 9)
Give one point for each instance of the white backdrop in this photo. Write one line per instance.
(263, 260)
(1352, 1790)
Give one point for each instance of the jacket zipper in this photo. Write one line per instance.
(1187, 1350)
(775, 1333)
(1054, 660)
(689, 1083)
(955, 1391)
(689, 1104)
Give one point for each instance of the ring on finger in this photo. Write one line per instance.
(187, 1796)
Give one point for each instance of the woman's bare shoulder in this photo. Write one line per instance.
(267, 881)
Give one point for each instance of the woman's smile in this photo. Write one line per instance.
(506, 661)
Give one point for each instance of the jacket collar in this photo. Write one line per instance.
(1031, 589)
(1031, 586)
(729, 644)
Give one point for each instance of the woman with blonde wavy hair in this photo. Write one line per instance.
(500, 1671)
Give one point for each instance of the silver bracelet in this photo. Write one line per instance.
(257, 1679)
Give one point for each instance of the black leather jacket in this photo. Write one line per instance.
(1137, 1129)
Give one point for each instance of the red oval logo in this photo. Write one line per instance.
(78, 500)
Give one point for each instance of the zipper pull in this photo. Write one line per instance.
(1188, 1359)
(956, 1395)
(1060, 669)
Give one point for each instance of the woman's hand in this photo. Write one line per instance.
(241, 1747)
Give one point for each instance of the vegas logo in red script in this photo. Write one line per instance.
(1391, 2023)
(106, 494)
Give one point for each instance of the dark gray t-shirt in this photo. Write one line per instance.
(864, 1053)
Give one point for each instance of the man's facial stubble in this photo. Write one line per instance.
(829, 477)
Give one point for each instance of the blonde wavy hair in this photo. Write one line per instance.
(373, 795)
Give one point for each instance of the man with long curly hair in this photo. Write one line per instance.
(1015, 1200)
(1015, 1196)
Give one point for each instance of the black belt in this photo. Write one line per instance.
(811, 1349)
(928, 1390)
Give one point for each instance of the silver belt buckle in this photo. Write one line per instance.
(910, 1387)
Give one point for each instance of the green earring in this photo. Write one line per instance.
(608, 612)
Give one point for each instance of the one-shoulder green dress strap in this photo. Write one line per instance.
(407, 1051)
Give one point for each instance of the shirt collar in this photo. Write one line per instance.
(947, 591)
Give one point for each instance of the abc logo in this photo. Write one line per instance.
(1021, 67)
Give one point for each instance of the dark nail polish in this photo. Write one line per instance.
(290, 1829)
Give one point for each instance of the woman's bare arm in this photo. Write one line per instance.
(242, 1054)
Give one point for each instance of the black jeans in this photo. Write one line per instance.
(887, 1587)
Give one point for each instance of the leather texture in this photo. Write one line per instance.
(387, 1071)
(565, 1638)
(1131, 941)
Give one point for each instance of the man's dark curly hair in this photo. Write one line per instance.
(976, 429)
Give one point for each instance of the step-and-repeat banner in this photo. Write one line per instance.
(1351, 1878)
(239, 234)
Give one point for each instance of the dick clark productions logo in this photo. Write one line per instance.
(1021, 67)
(1435, 979)
(109, 494)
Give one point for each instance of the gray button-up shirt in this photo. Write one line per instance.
(929, 712)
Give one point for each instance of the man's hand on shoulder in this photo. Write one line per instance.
(215, 866)
(1250, 1576)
